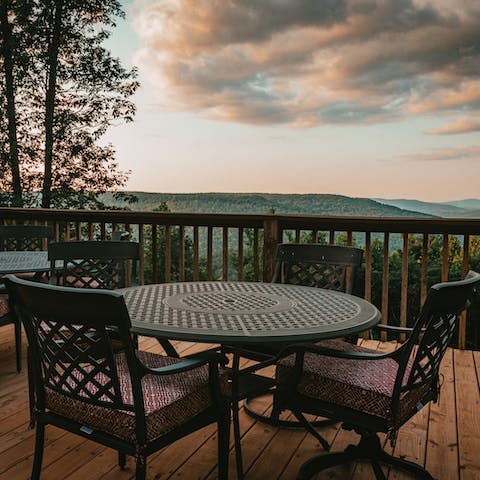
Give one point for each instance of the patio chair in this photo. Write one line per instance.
(20, 237)
(134, 402)
(24, 237)
(107, 264)
(331, 267)
(93, 264)
(371, 392)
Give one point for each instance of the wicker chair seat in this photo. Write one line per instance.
(361, 385)
(170, 400)
(4, 308)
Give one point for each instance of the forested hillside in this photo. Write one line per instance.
(430, 208)
(263, 203)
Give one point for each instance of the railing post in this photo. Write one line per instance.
(271, 237)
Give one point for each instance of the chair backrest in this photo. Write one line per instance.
(431, 335)
(24, 237)
(324, 266)
(93, 264)
(69, 336)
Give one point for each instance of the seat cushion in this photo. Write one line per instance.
(362, 385)
(170, 400)
(4, 308)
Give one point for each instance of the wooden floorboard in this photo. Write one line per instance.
(444, 437)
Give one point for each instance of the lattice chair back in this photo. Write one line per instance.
(24, 237)
(68, 333)
(430, 338)
(93, 264)
(323, 266)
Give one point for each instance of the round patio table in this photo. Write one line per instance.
(23, 262)
(239, 314)
(246, 313)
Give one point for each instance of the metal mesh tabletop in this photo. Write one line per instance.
(246, 312)
(23, 262)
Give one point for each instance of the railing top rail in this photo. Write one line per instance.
(305, 222)
(129, 216)
(382, 224)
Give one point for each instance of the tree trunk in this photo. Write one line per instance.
(7, 54)
(52, 59)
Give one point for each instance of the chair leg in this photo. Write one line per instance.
(402, 464)
(301, 418)
(274, 420)
(122, 460)
(31, 388)
(18, 345)
(168, 347)
(321, 462)
(224, 443)
(369, 448)
(38, 457)
(235, 417)
(377, 469)
(237, 439)
(141, 467)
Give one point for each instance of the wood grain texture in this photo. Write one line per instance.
(438, 437)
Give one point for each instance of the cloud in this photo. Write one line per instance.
(307, 63)
(448, 154)
(461, 125)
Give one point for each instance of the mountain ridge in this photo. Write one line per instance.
(264, 203)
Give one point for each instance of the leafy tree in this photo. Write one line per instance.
(7, 50)
(71, 92)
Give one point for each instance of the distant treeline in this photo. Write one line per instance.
(263, 203)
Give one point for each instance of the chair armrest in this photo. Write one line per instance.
(331, 352)
(394, 328)
(186, 364)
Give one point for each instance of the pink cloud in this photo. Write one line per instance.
(461, 125)
(309, 63)
(448, 154)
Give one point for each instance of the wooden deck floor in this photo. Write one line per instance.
(445, 437)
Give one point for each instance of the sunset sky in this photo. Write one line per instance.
(355, 97)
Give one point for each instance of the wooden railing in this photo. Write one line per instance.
(181, 246)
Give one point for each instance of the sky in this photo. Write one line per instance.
(364, 98)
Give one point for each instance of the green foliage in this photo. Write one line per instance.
(262, 203)
(160, 239)
(60, 63)
(434, 262)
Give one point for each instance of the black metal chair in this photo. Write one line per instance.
(331, 267)
(24, 237)
(322, 266)
(371, 392)
(109, 264)
(20, 238)
(93, 264)
(134, 402)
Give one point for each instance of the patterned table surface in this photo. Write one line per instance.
(23, 262)
(243, 312)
